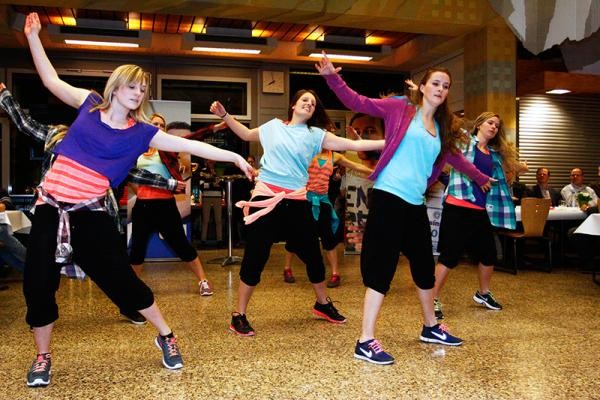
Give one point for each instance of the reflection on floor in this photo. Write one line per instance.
(543, 345)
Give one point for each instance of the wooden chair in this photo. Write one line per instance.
(534, 213)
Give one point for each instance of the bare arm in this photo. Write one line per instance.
(245, 133)
(336, 143)
(68, 94)
(166, 142)
(344, 162)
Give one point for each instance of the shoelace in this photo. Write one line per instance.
(375, 345)
(443, 328)
(40, 365)
(172, 347)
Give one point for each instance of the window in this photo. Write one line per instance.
(233, 93)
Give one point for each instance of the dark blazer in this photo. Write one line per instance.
(519, 191)
(555, 196)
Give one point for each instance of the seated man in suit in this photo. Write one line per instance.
(543, 190)
(572, 190)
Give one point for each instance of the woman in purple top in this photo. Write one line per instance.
(109, 134)
(419, 140)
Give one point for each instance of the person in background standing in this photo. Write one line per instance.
(319, 172)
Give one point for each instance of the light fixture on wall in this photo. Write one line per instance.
(343, 48)
(558, 91)
(93, 32)
(227, 40)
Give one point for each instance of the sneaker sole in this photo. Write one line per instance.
(439, 341)
(137, 322)
(176, 366)
(364, 358)
(232, 329)
(485, 303)
(328, 318)
(39, 382)
(206, 294)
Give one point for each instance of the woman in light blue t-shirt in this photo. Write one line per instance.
(279, 209)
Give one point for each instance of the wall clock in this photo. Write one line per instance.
(272, 82)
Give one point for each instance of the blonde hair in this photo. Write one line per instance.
(500, 142)
(126, 75)
(157, 115)
(59, 132)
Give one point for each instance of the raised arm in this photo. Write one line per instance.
(166, 142)
(20, 118)
(336, 143)
(245, 133)
(141, 176)
(351, 99)
(200, 133)
(348, 164)
(68, 94)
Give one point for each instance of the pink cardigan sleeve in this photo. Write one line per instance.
(461, 164)
(359, 103)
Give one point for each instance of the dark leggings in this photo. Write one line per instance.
(97, 249)
(161, 216)
(328, 238)
(290, 221)
(395, 226)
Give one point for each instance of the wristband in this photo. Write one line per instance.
(224, 115)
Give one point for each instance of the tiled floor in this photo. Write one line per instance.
(543, 345)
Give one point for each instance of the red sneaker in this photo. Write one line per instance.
(288, 276)
(334, 281)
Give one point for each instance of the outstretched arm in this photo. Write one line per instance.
(348, 164)
(200, 133)
(351, 99)
(68, 94)
(20, 118)
(336, 143)
(140, 176)
(249, 135)
(166, 142)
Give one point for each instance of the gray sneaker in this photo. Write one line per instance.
(205, 288)
(487, 300)
(40, 371)
(170, 352)
(437, 307)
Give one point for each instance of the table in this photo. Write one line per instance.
(559, 214)
(591, 226)
(16, 220)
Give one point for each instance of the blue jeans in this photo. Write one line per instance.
(12, 252)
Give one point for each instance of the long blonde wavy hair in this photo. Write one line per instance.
(126, 75)
(500, 143)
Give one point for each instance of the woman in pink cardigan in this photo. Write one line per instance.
(419, 139)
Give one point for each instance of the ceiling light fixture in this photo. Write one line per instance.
(558, 91)
(92, 32)
(227, 40)
(343, 48)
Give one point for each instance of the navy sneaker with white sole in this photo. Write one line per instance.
(439, 334)
(372, 352)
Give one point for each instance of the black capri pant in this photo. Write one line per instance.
(161, 216)
(97, 248)
(329, 239)
(468, 229)
(292, 222)
(395, 226)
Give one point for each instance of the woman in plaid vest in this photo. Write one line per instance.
(470, 213)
